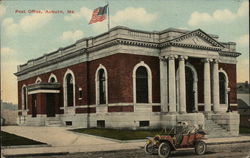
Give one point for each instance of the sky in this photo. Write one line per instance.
(27, 34)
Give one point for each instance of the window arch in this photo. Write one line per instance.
(24, 97)
(38, 80)
(69, 88)
(101, 85)
(52, 78)
(142, 83)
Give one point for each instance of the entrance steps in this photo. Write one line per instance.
(214, 130)
(53, 121)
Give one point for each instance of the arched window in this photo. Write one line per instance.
(38, 80)
(102, 89)
(69, 88)
(222, 79)
(101, 85)
(69, 80)
(141, 85)
(52, 78)
(24, 97)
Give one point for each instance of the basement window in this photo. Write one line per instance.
(144, 123)
(80, 93)
(68, 123)
(101, 123)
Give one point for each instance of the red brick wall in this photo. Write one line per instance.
(120, 82)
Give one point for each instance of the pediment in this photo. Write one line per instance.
(197, 38)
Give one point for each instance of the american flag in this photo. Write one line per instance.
(99, 14)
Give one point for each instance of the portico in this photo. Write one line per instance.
(173, 61)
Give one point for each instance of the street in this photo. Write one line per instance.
(237, 150)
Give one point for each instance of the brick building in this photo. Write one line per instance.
(127, 78)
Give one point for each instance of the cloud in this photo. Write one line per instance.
(135, 15)
(2, 10)
(243, 40)
(26, 24)
(7, 51)
(225, 16)
(72, 35)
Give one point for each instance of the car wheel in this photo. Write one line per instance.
(200, 147)
(149, 148)
(164, 150)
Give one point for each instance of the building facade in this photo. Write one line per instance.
(127, 78)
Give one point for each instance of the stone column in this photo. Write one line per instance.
(172, 86)
(207, 86)
(164, 84)
(182, 85)
(216, 93)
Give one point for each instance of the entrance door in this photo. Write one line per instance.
(34, 105)
(189, 90)
(50, 102)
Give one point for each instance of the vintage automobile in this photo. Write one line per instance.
(179, 137)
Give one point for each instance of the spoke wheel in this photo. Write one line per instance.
(149, 148)
(164, 150)
(200, 148)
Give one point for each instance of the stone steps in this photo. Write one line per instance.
(214, 130)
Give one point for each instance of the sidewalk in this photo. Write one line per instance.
(73, 142)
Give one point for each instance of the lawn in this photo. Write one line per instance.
(244, 130)
(8, 139)
(119, 134)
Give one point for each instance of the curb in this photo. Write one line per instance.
(37, 154)
(230, 142)
(25, 146)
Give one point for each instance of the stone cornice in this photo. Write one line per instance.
(229, 54)
(167, 44)
(133, 38)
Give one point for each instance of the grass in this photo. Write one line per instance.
(244, 130)
(122, 134)
(8, 139)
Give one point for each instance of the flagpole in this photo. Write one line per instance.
(108, 16)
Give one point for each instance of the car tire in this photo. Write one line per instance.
(149, 148)
(164, 150)
(200, 147)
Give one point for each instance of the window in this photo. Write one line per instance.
(52, 80)
(222, 82)
(101, 123)
(144, 123)
(102, 89)
(24, 97)
(141, 85)
(69, 80)
(38, 80)
(80, 93)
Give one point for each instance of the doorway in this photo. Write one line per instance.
(50, 104)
